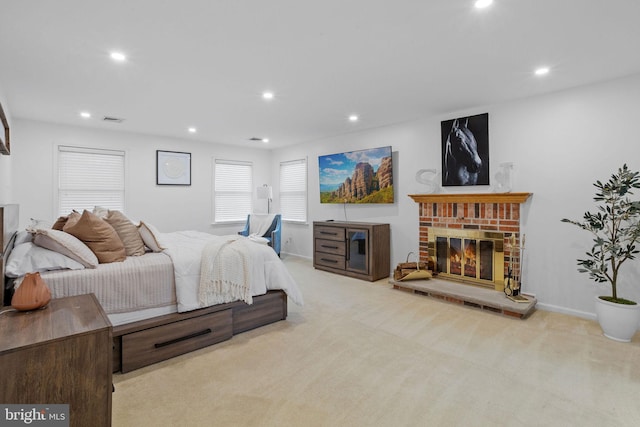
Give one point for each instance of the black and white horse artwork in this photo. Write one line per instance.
(462, 163)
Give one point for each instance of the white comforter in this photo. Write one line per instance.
(266, 270)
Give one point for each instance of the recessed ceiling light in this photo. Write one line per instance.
(118, 56)
(542, 71)
(265, 140)
(353, 118)
(267, 95)
(192, 130)
(481, 4)
(85, 115)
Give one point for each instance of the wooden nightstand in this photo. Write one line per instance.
(59, 355)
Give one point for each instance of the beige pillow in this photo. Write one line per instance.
(149, 236)
(127, 231)
(101, 238)
(66, 244)
(60, 222)
(72, 219)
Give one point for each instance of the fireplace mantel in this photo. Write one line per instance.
(471, 197)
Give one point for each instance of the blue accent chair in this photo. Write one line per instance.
(273, 234)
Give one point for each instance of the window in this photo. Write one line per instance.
(293, 190)
(89, 177)
(232, 190)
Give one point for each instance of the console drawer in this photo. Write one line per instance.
(330, 233)
(162, 342)
(331, 246)
(330, 260)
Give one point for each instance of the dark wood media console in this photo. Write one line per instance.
(152, 340)
(355, 249)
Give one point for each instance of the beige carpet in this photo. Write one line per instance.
(363, 354)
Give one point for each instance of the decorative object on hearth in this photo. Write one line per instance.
(465, 151)
(615, 227)
(33, 293)
(411, 270)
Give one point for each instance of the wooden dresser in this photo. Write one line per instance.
(59, 355)
(355, 249)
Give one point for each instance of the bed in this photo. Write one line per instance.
(185, 291)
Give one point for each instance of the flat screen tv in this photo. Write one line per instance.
(363, 176)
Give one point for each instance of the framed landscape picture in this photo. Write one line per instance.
(362, 176)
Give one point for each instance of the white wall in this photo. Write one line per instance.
(169, 208)
(560, 144)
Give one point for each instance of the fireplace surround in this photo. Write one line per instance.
(482, 223)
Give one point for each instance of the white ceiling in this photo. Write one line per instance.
(205, 63)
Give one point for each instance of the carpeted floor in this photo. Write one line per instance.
(363, 354)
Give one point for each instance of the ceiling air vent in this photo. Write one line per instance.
(112, 119)
(255, 139)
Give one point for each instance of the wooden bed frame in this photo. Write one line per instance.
(149, 341)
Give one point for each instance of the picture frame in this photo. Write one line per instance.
(465, 151)
(173, 168)
(5, 143)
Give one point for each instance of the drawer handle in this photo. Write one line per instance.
(329, 247)
(329, 260)
(329, 233)
(184, 338)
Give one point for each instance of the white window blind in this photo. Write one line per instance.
(293, 190)
(90, 177)
(233, 190)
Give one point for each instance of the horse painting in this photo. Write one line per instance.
(462, 163)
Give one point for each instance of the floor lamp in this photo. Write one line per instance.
(265, 192)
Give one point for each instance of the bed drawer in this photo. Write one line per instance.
(330, 233)
(331, 246)
(162, 342)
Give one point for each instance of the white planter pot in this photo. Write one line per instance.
(618, 321)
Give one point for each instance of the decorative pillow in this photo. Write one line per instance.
(29, 258)
(72, 219)
(60, 222)
(37, 224)
(66, 244)
(100, 211)
(23, 236)
(128, 233)
(150, 236)
(101, 238)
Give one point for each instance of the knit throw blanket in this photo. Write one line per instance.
(224, 272)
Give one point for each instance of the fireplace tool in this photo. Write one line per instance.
(512, 284)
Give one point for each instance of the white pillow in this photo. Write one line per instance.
(37, 224)
(23, 236)
(66, 244)
(150, 236)
(29, 258)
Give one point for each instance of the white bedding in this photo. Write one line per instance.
(266, 270)
(137, 283)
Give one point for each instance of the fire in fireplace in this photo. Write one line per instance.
(472, 256)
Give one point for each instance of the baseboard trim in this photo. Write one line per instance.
(564, 310)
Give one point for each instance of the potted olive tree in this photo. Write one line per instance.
(615, 227)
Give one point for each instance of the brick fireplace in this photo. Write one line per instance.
(461, 217)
